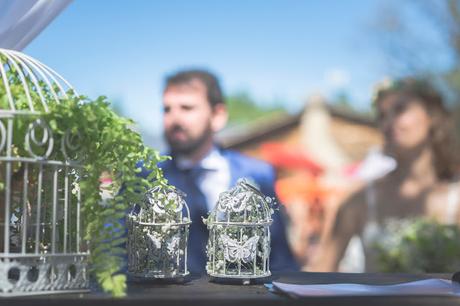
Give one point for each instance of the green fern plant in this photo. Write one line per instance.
(108, 144)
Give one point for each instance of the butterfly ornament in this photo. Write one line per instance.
(234, 251)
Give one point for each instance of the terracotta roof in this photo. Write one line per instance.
(267, 126)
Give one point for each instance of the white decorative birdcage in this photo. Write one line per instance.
(41, 247)
(239, 234)
(158, 232)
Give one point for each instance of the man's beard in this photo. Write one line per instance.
(189, 146)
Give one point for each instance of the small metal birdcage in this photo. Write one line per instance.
(239, 234)
(157, 235)
(41, 247)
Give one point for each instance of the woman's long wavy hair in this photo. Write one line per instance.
(442, 140)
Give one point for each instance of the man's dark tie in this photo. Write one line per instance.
(198, 237)
(195, 197)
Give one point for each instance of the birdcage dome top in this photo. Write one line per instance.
(28, 86)
(163, 204)
(243, 203)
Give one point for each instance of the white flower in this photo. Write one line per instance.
(75, 188)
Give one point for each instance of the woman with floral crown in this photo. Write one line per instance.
(418, 136)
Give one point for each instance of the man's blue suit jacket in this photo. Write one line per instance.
(241, 166)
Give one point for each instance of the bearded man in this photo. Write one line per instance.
(194, 111)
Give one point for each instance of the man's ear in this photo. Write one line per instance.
(219, 117)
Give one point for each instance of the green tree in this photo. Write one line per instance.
(428, 48)
(342, 101)
(243, 109)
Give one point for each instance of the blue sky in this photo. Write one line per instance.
(275, 50)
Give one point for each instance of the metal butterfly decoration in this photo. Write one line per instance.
(234, 251)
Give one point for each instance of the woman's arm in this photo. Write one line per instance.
(346, 222)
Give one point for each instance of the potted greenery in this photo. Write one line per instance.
(85, 139)
(419, 246)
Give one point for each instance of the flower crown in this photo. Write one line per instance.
(392, 85)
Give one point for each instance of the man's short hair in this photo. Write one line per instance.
(209, 80)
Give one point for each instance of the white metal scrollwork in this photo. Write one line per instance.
(2, 136)
(46, 142)
(71, 142)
